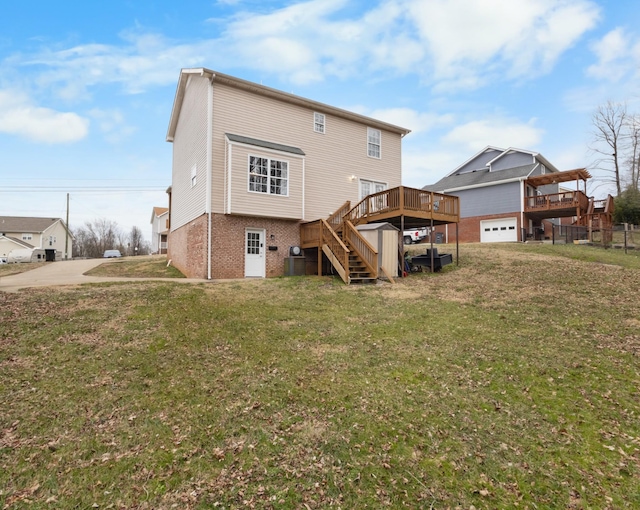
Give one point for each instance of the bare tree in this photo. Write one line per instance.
(633, 157)
(136, 241)
(609, 123)
(92, 239)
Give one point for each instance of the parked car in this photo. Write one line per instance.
(415, 235)
(112, 254)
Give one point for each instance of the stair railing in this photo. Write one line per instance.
(362, 248)
(338, 253)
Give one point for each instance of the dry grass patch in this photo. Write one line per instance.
(510, 381)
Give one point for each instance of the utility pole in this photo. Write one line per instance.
(66, 237)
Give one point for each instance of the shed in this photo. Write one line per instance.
(384, 237)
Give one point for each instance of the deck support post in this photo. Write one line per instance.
(431, 239)
(457, 248)
(320, 259)
(402, 244)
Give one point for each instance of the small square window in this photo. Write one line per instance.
(318, 122)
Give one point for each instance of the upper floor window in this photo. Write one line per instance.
(318, 122)
(543, 170)
(373, 143)
(270, 176)
(194, 171)
(27, 237)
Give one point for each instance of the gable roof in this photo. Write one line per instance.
(500, 153)
(17, 241)
(479, 178)
(214, 76)
(264, 144)
(157, 212)
(26, 224)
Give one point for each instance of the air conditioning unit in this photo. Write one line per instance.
(295, 251)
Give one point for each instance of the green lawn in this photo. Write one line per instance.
(512, 380)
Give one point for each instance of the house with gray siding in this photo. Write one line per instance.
(509, 195)
(252, 163)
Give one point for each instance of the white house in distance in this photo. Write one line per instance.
(48, 234)
(159, 229)
(252, 163)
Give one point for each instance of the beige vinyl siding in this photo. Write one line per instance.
(252, 203)
(331, 158)
(190, 148)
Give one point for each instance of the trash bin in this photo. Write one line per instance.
(439, 237)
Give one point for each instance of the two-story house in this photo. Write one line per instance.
(509, 195)
(159, 229)
(252, 163)
(48, 234)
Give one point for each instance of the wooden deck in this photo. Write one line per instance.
(555, 205)
(351, 254)
(405, 208)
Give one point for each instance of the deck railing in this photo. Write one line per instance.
(552, 201)
(404, 201)
(310, 234)
(362, 247)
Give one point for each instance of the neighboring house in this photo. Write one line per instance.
(251, 164)
(159, 229)
(49, 234)
(509, 195)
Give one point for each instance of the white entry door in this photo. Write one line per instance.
(254, 259)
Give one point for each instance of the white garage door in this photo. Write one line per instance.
(499, 231)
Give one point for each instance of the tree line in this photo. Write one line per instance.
(616, 143)
(94, 237)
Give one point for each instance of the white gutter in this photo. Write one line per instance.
(209, 171)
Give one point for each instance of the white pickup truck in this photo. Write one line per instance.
(415, 236)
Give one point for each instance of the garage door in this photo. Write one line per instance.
(499, 231)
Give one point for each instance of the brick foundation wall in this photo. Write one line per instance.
(187, 248)
(227, 257)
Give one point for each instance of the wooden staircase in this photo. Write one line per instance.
(350, 254)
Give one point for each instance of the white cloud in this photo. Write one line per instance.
(112, 123)
(450, 43)
(618, 54)
(417, 122)
(475, 135)
(18, 116)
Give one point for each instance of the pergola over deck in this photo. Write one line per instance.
(561, 204)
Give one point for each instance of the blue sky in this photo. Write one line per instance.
(86, 88)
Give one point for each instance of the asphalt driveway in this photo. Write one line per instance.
(68, 272)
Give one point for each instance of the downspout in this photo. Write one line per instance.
(209, 172)
(522, 186)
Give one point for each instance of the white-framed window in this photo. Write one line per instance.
(373, 143)
(543, 170)
(194, 175)
(52, 240)
(270, 176)
(27, 237)
(318, 122)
